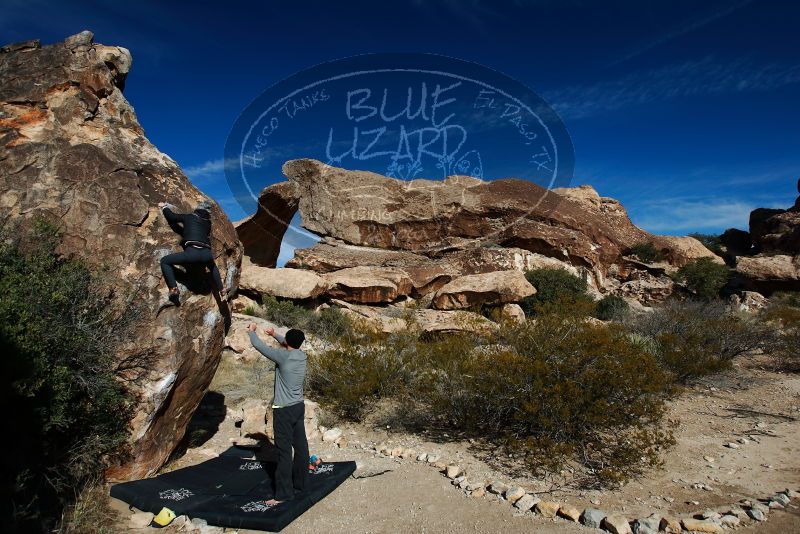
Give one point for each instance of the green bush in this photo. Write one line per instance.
(646, 252)
(556, 287)
(784, 315)
(59, 332)
(329, 323)
(703, 277)
(612, 308)
(692, 339)
(360, 370)
(710, 241)
(555, 391)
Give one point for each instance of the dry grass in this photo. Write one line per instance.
(241, 380)
(90, 514)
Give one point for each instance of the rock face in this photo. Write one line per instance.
(493, 288)
(285, 283)
(773, 262)
(775, 230)
(424, 216)
(369, 284)
(394, 319)
(778, 272)
(436, 232)
(73, 153)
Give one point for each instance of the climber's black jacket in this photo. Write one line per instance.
(195, 227)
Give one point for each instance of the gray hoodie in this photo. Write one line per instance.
(290, 370)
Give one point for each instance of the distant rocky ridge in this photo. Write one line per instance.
(386, 241)
(74, 153)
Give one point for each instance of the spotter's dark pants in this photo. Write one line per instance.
(290, 474)
(190, 256)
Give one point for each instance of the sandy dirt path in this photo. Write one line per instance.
(750, 403)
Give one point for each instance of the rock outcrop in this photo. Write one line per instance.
(73, 153)
(394, 319)
(492, 289)
(775, 230)
(429, 217)
(369, 285)
(765, 270)
(772, 263)
(385, 239)
(297, 284)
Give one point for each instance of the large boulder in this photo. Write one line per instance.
(775, 263)
(766, 273)
(75, 155)
(368, 285)
(392, 319)
(297, 284)
(647, 288)
(428, 217)
(490, 289)
(427, 273)
(680, 250)
(775, 231)
(736, 242)
(262, 233)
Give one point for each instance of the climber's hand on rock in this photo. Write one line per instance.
(252, 327)
(269, 331)
(162, 205)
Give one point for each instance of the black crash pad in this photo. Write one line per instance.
(230, 490)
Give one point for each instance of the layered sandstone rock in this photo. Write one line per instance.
(394, 319)
(74, 154)
(494, 288)
(428, 218)
(770, 273)
(298, 284)
(776, 230)
(369, 284)
(773, 263)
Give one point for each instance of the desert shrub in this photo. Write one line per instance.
(785, 299)
(59, 333)
(559, 390)
(349, 378)
(710, 241)
(328, 323)
(555, 287)
(646, 252)
(612, 308)
(704, 277)
(785, 318)
(695, 338)
(90, 513)
(555, 390)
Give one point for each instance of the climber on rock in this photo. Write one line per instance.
(195, 231)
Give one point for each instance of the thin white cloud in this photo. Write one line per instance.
(705, 76)
(688, 27)
(682, 215)
(211, 168)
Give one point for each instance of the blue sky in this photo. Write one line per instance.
(687, 112)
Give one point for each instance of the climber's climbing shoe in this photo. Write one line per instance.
(175, 296)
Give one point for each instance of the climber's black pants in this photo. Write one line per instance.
(290, 432)
(190, 256)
